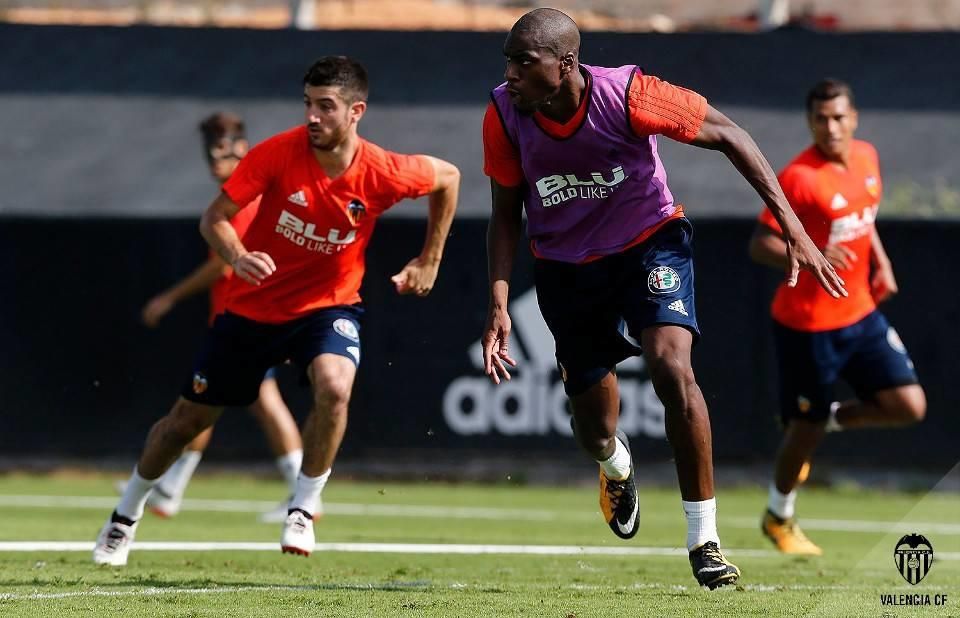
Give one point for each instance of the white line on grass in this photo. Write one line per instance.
(855, 525)
(153, 591)
(331, 508)
(390, 548)
(398, 548)
(749, 587)
(156, 591)
(465, 512)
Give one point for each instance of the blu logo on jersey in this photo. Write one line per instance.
(853, 226)
(304, 234)
(557, 188)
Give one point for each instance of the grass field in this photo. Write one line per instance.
(435, 549)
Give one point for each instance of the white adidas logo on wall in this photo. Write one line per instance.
(299, 198)
(534, 402)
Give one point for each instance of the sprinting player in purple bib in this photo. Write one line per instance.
(575, 147)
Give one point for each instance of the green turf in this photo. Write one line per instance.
(858, 566)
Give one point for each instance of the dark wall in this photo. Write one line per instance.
(133, 98)
(80, 376)
(769, 70)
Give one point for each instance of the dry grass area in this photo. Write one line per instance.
(329, 15)
(156, 13)
(627, 15)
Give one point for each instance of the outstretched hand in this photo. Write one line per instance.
(158, 306)
(802, 253)
(496, 347)
(841, 256)
(417, 277)
(883, 284)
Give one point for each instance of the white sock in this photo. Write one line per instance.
(832, 423)
(134, 497)
(307, 495)
(780, 504)
(289, 465)
(701, 522)
(617, 466)
(175, 480)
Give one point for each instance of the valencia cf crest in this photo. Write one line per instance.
(199, 383)
(356, 210)
(913, 557)
(346, 328)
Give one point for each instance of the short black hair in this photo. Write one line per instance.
(220, 124)
(829, 88)
(552, 29)
(341, 71)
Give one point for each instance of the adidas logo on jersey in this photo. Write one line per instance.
(677, 306)
(299, 198)
(838, 202)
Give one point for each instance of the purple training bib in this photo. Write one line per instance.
(599, 189)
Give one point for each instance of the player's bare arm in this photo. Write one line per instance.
(720, 133)
(420, 273)
(200, 280)
(251, 266)
(503, 234)
(883, 284)
(767, 247)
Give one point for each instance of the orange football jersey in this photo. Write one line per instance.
(315, 228)
(836, 205)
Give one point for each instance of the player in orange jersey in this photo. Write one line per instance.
(225, 143)
(834, 187)
(296, 290)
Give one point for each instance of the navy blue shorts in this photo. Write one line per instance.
(588, 307)
(238, 352)
(867, 355)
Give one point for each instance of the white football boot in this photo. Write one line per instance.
(113, 544)
(297, 537)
